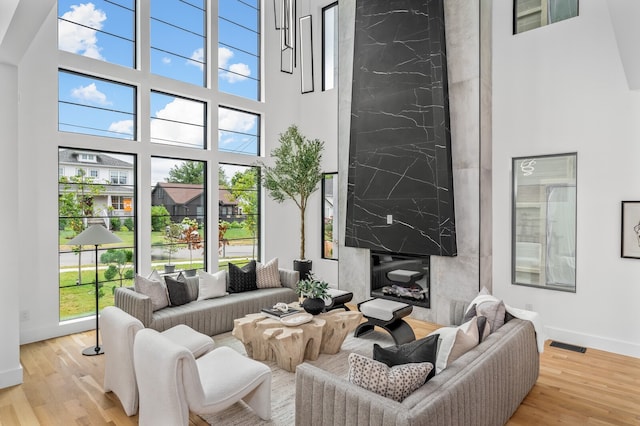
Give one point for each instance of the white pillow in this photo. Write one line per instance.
(154, 289)
(455, 342)
(212, 285)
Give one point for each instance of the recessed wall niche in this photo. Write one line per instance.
(400, 182)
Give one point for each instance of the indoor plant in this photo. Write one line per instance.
(295, 175)
(314, 291)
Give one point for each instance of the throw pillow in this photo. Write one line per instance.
(268, 275)
(242, 279)
(494, 311)
(455, 342)
(212, 285)
(484, 329)
(178, 291)
(154, 289)
(395, 382)
(422, 350)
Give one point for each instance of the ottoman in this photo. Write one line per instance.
(386, 314)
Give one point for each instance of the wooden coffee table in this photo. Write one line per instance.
(267, 339)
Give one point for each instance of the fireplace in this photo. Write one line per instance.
(399, 277)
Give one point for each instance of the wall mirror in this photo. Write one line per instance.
(306, 55)
(544, 222)
(330, 216)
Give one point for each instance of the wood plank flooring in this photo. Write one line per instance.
(63, 387)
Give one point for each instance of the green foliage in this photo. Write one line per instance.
(223, 179)
(75, 199)
(160, 218)
(312, 287)
(172, 235)
(296, 173)
(245, 190)
(116, 224)
(187, 172)
(128, 222)
(118, 260)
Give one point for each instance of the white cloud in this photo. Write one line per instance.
(78, 38)
(166, 60)
(197, 59)
(90, 95)
(240, 71)
(124, 126)
(235, 121)
(169, 130)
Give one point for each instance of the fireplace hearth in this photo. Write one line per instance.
(403, 278)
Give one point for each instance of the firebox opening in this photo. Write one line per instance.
(399, 277)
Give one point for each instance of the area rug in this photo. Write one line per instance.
(283, 386)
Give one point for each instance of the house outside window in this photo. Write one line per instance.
(118, 177)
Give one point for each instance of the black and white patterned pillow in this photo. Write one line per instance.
(178, 290)
(242, 279)
(421, 350)
(397, 382)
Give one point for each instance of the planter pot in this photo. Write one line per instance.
(303, 267)
(190, 272)
(313, 305)
(169, 269)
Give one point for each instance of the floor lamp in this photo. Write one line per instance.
(95, 235)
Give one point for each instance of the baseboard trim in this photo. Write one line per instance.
(10, 378)
(592, 341)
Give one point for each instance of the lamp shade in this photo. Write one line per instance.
(94, 235)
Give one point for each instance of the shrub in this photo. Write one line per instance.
(128, 222)
(115, 223)
(160, 218)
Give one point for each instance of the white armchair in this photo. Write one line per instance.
(172, 382)
(118, 333)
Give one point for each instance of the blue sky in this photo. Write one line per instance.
(104, 30)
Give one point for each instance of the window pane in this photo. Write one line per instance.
(94, 106)
(100, 29)
(178, 40)
(239, 48)
(84, 200)
(239, 214)
(531, 14)
(177, 121)
(329, 46)
(178, 214)
(238, 131)
(329, 216)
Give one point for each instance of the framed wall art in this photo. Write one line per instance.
(630, 232)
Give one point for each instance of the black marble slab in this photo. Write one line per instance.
(400, 142)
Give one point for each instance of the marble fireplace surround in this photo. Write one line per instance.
(468, 47)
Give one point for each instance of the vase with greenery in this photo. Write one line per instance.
(314, 291)
(295, 175)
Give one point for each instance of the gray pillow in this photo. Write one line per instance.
(494, 311)
(178, 290)
(154, 289)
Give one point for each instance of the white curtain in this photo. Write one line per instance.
(561, 236)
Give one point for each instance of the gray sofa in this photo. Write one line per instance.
(210, 316)
(483, 387)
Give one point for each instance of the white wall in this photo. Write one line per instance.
(36, 168)
(10, 368)
(557, 89)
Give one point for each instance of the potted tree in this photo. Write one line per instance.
(313, 291)
(295, 175)
(191, 237)
(172, 235)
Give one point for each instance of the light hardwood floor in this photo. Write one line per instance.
(63, 387)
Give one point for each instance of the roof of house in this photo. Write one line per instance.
(225, 197)
(102, 159)
(181, 193)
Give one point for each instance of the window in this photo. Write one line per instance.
(178, 219)
(531, 14)
(99, 29)
(94, 106)
(239, 48)
(329, 46)
(84, 200)
(93, 173)
(177, 121)
(329, 216)
(87, 158)
(178, 40)
(238, 131)
(239, 226)
(118, 177)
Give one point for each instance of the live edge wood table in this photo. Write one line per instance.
(267, 339)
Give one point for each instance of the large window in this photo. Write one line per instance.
(239, 47)
(239, 214)
(330, 216)
(178, 218)
(531, 14)
(177, 121)
(178, 40)
(98, 29)
(94, 106)
(84, 200)
(238, 131)
(329, 46)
